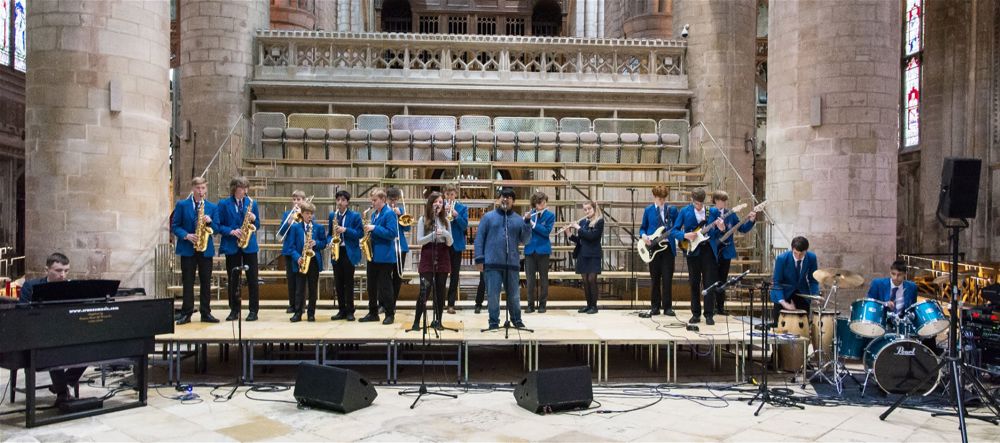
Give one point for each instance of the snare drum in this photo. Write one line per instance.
(928, 318)
(794, 323)
(851, 346)
(900, 365)
(868, 318)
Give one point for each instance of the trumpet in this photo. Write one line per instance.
(567, 227)
(447, 207)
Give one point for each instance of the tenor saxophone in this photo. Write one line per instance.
(366, 241)
(307, 252)
(335, 242)
(247, 228)
(202, 230)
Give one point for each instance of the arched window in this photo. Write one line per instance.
(546, 18)
(396, 16)
(913, 50)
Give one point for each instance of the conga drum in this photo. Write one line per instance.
(795, 322)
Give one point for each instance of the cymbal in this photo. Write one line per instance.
(809, 296)
(845, 279)
(946, 278)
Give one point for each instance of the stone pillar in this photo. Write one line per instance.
(721, 73)
(649, 19)
(217, 56)
(591, 17)
(97, 136)
(292, 15)
(344, 15)
(833, 129)
(326, 15)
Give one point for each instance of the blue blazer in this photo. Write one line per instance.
(29, 288)
(231, 218)
(296, 240)
(786, 282)
(384, 235)
(687, 221)
(351, 238)
(458, 226)
(651, 221)
(184, 221)
(588, 239)
(881, 290)
(729, 247)
(540, 243)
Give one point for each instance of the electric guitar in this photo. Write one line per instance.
(701, 231)
(743, 219)
(659, 241)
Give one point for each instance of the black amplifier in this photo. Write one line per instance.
(981, 331)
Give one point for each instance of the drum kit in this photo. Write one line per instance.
(888, 343)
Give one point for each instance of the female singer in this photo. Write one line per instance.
(434, 237)
(588, 254)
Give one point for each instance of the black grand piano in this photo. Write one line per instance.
(73, 323)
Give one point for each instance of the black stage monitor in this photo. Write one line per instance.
(73, 291)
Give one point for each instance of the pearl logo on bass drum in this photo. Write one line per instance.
(911, 353)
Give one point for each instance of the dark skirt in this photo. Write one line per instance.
(588, 265)
(435, 257)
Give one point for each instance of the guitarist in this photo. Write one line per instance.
(661, 269)
(727, 249)
(702, 264)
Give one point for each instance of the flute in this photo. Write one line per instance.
(567, 227)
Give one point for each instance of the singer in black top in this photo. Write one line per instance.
(587, 234)
(434, 236)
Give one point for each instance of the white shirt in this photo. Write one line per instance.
(700, 215)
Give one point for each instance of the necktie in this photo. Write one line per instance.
(239, 206)
(663, 215)
(798, 267)
(899, 306)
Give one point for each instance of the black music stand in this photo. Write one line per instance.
(74, 291)
(763, 393)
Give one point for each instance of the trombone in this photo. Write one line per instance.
(295, 215)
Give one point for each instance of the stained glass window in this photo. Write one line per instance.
(5, 28)
(20, 36)
(913, 37)
(914, 26)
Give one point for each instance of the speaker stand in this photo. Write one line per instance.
(422, 390)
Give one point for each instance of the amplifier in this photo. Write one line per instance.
(981, 330)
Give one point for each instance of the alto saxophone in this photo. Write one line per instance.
(307, 252)
(202, 230)
(366, 241)
(247, 228)
(335, 242)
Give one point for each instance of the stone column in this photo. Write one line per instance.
(292, 15)
(326, 15)
(648, 19)
(217, 56)
(97, 136)
(833, 129)
(721, 73)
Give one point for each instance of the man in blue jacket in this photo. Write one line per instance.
(727, 249)
(384, 229)
(459, 224)
(307, 235)
(538, 250)
(183, 223)
(793, 277)
(232, 211)
(703, 265)
(498, 258)
(350, 231)
(896, 291)
(661, 269)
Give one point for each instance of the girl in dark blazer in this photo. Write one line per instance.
(587, 234)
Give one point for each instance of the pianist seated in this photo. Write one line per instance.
(56, 269)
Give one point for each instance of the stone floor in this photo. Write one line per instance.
(489, 413)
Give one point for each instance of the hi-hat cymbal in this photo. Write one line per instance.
(845, 279)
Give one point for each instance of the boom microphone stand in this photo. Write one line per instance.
(631, 257)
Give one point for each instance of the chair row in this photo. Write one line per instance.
(462, 145)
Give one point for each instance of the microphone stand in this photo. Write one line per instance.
(631, 258)
(763, 393)
(235, 274)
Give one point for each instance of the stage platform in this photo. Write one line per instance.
(273, 340)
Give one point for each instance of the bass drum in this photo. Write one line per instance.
(899, 365)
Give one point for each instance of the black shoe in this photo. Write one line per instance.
(311, 318)
(583, 310)
(437, 325)
(531, 309)
(388, 320)
(669, 312)
(350, 317)
(252, 316)
(184, 319)
(339, 316)
(709, 321)
(208, 318)
(722, 311)
(290, 310)
(541, 309)
(695, 319)
(649, 314)
(233, 316)
(591, 310)
(494, 327)
(519, 325)
(178, 316)
(296, 318)
(479, 308)
(368, 318)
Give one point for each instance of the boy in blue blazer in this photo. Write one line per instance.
(793, 275)
(384, 229)
(183, 224)
(538, 250)
(459, 224)
(232, 211)
(661, 269)
(307, 235)
(350, 231)
(298, 197)
(896, 291)
(703, 265)
(727, 250)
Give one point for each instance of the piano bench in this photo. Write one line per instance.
(14, 388)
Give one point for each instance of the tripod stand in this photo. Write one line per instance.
(960, 371)
(763, 393)
(506, 321)
(838, 377)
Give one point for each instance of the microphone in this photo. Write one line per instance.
(710, 288)
(732, 281)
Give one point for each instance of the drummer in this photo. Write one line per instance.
(895, 291)
(793, 276)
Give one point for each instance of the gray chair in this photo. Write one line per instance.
(378, 142)
(315, 143)
(272, 142)
(443, 148)
(486, 142)
(527, 146)
(295, 143)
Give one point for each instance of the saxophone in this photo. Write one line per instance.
(335, 242)
(366, 241)
(247, 228)
(307, 251)
(202, 230)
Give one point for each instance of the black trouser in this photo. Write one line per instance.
(456, 268)
(661, 271)
(290, 278)
(720, 296)
(480, 290)
(343, 271)
(62, 378)
(431, 282)
(799, 302)
(307, 282)
(240, 259)
(380, 288)
(590, 289)
(537, 263)
(702, 268)
(204, 266)
(397, 278)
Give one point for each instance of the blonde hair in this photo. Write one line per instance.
(661, 191)
(299, 193)
(307, 207)
(597, 211)
(378, 193)
(720, 196)
(199, 181)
